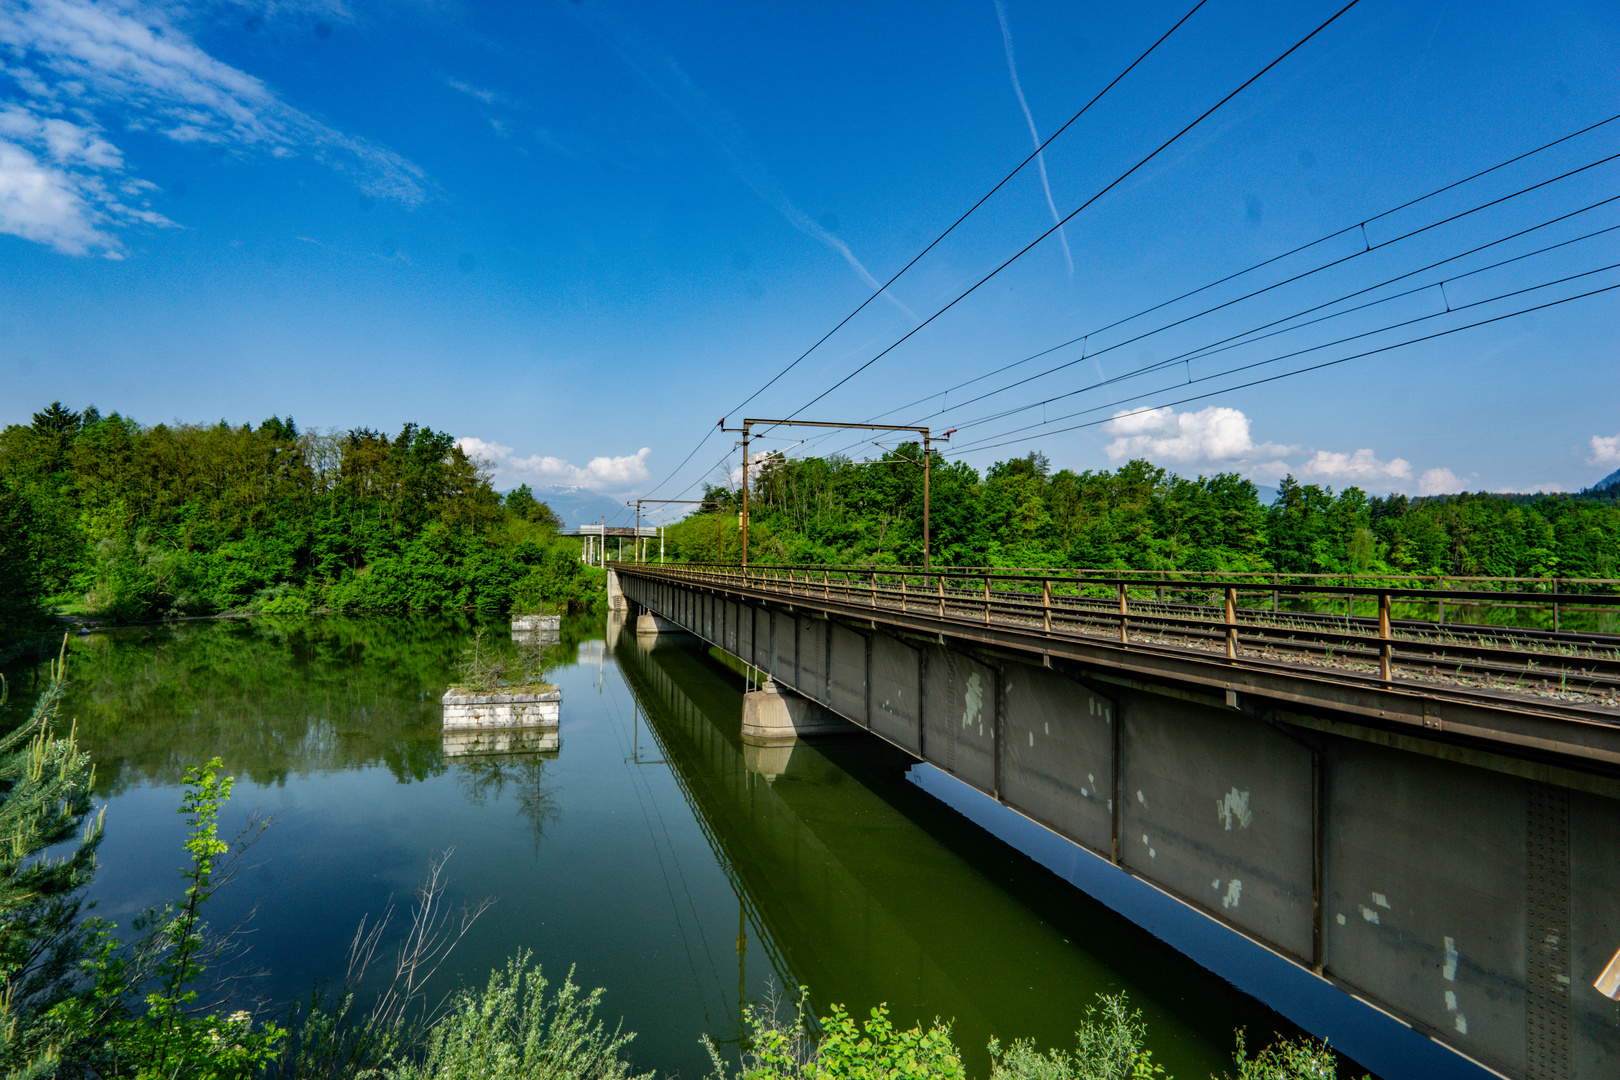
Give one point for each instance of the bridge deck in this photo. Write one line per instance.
(1540, 689)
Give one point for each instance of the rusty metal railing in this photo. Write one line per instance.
(1555, 637)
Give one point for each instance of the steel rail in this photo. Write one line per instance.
(1403, 652)
(1544, 725)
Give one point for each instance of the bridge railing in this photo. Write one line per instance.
(1516, 632)
(1573, 604)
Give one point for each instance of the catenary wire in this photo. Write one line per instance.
(984, 198)
(1213, 345)
(974, 447)
(1268, 288)
(1263, 263)
(1232, 342)
(1113, 184)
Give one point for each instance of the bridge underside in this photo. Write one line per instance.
(1471, 892)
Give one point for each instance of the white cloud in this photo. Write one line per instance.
(72, 60)
(1220, 437)
(42, 203)
(1439, 482)
(1214, 435)
(599, 474)
(481, 450)
(1358, 468)
(1605, 450)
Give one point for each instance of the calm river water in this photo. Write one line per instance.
(651, 852)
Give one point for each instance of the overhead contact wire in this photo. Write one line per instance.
(1362, 225)
(966, 214)
(1073, 213)
(1231, 341)
(1314, 367)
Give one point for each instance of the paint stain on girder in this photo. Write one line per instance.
(1234, 806)
(973, 714)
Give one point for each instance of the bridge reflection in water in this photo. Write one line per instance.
(860, 885)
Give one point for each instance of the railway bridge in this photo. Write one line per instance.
(1407, 788)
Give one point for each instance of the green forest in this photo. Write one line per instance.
(1141, 517)
(107, 517)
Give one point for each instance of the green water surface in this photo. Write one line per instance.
(652, 852)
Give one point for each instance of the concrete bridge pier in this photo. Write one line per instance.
(651, 627)
(773, 716)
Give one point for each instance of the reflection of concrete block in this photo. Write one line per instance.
(533, 638)
(466, 742)
(545, 624)
(517, 707)
(776, 717)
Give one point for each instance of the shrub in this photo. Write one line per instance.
(875, 1050)
(1289, 1059)
(514, 1030)
(1107, 1047)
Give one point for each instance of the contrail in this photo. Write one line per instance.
(658, 69)
(1040, 159)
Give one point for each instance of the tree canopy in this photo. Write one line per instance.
(116, 518)
(1141, 517)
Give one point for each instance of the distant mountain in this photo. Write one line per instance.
(1608, 483)
(577, 506)
(1268, 495)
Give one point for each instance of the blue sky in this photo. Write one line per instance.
(578, 234)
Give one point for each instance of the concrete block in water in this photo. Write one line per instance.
(515, 707)
(776, 717)
(545, 624)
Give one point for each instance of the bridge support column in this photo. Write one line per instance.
(615, 592)
(649, 625)
(773, 716)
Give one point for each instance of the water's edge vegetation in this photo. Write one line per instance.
(81, 999)
(103, 516)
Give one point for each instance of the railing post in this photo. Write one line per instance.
(874, 590)
(1123, 637)
(826, 584)
(1555, 605)
(1231, 623)
(1386, 649)
(1276, 594)
(902, 592)
(987, 599)
(1046, 603)
(939, 582)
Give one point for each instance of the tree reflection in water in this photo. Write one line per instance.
(489, 776)
(276, 696)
